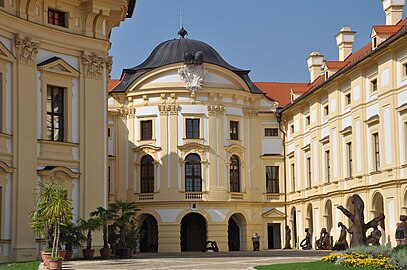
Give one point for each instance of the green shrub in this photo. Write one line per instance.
(400, 247)
(399, 258)
(370, 250)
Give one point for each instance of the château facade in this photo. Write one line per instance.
(54, 68)
(209, 155)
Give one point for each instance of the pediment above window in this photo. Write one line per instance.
(147, 150)
(274, 213)
(5, 54)
(193, 147)
(59, 66)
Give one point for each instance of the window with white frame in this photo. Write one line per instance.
(373, 86)
(376, 151)
(271, 132)
(55, 113)
(309, 171)
(292, 177)
(272, 179)
(328, 166)
(192, 128)
(349, 158)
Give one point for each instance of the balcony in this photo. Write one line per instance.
(272, 197)
(146, 197)
(194, 196)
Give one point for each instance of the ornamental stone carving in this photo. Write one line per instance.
(94, 65)
(58, 177)
(168, 108)
(212, 109)
(193, 76)
(250, 113)
(193, 147)
(27, 50)
(125, 111)
(147, 150)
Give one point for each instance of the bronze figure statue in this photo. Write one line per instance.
(342, 243)
(359, 228)
(374, 237)
(306, 242)
(324, 241)
(287, 237)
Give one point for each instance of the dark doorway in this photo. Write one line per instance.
(233, 235)
(274, 236)
(193, 232)
(295, 228)
(149, 235)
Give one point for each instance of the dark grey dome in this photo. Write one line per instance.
(173, 51)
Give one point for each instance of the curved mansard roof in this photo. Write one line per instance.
(173, 51)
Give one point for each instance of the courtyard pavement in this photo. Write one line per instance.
(199, 260)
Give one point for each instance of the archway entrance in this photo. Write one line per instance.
(148, 234)
(293, 220)
(236, 231)
(378, 209)
(193, 232)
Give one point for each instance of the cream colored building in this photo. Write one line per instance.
(54, 68)
(192, 141)
(198, 146)
(348, 133)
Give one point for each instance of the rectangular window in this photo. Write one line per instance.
(271, 132)
(293, 177)
(307, 120)
(109, 184)
(109, 133)
(55, 113)
(405, 142)
(326, 110)
(328, 166)
(272, 179)
(1, 3)
(292, 129)
(374, 42)
(146, 130)
(192, 127)
(234, 130)
(349, 153)
(405, 69)
(376, 151)
(348, 99)
(56, 17)
(309, 171)
(373, 85)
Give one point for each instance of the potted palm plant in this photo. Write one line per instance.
(51, 209)
(90, 225)
(124, 212)
(72, 237)
(104, 215)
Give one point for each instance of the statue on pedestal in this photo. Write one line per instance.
(342, 243)
(324, 241)
(287, 237)
(306, 242)
(359, 228)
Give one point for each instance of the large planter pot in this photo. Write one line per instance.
(62, 253)
(55, 265)
(88, 253)
(105, 253)
(68, 255)
(45, 257)
(124, 253)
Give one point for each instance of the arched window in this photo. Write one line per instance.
(147, 174)
(193, 180)
(234, 174)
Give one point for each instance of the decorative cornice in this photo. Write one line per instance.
(212, 109)
(250, 113)
(126, 111)
(94, 65)
(27, 50)
(193, 148)
(168, 108)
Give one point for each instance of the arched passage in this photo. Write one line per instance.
(193, 232)
(328, 223)
(293, 221)
(148, 234)
(378, 209)
(310, 220)
(236, 232)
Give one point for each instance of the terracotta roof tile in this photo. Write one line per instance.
(112, 84)
(281, 91)
(335, 65)
(387, 29)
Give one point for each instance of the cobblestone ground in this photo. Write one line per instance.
(200, 261)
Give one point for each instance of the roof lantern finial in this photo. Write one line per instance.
(182, 32)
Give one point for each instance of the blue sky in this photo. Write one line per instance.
(272, 38)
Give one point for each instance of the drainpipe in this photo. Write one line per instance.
(279, 118)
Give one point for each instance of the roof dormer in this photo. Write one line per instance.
(382, 32)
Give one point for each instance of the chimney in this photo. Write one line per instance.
(315, 62)
(345, 39)
(393, 10)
